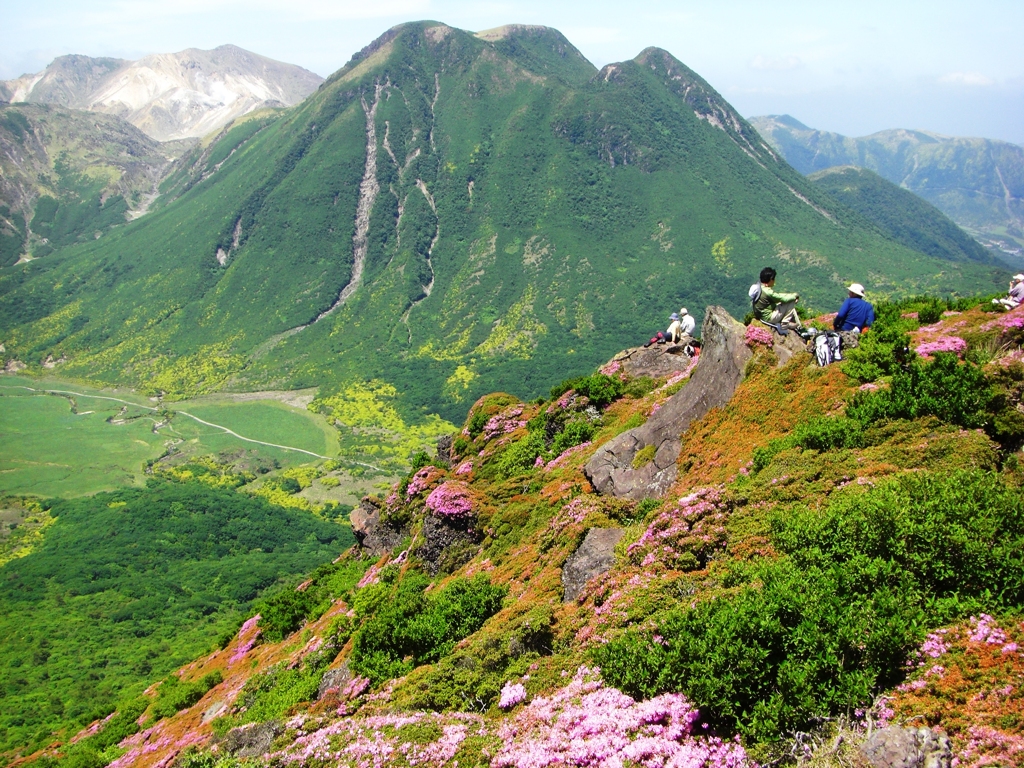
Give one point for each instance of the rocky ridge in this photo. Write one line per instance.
(169, 96)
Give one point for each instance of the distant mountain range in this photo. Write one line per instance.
(978, 183)
(451, 214)
(167, 95)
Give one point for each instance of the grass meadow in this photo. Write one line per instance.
(73, 445)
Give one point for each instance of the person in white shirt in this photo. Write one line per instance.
(687, 323)
(682, 325)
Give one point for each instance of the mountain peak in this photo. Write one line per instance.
(168, 95)
(512, 30)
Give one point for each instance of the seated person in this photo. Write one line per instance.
(856, 314)
(687, 323)
(773, 307)
(674, 332)
(1015, 295)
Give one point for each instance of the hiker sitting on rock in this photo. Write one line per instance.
(772, 307)
(676, 330)
(1014, 296)
(856, 314)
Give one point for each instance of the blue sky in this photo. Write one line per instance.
(949, 66)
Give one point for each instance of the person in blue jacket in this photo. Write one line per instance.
(856, 314)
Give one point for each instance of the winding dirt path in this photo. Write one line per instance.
(186, 413)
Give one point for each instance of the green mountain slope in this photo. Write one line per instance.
(450, 215)
(902, 215)
(69, 176)
(978, 183)
(125, 586)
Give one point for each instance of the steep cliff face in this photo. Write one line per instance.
(168, 96)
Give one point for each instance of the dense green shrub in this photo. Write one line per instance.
(954, 392)
(828, 625)
(521, 455)
(958, 536)
(402, 627)
(599, 388)
(790, 647)
(173, 695)
(576, 431)
(824, 433)
(884, 348)
(930, 313)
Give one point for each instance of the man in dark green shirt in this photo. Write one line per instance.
(775, 307)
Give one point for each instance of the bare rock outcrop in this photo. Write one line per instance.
(372, 533)
(595, 556)
(446, 544)
(614, 469)
(656, 360)
(251, 740)
(896, 747)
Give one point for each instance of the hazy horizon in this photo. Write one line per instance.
(947, 67)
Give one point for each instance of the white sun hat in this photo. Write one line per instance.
(856, 288)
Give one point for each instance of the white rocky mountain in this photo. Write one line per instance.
(168, 95)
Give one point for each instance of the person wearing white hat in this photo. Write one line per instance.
(856, 314)
(1015, 295)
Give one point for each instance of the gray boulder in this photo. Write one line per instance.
(595, 556)
(723, 360)
(334, 680)
(896, 747)
(373, 534)
(656, 360)
(251, 740)
(446, 545)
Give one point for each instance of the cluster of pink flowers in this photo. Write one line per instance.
(464, 468)
(935, 645)
(987, 746)
(984, 629)
(374, 742)
(942, 344)
(372, 576)
(451, 500)
(512, 694)
(420, 481)
(1010, 321)
(504, 422)
(609, 368)
(142, 746)
(756, 335)
(695, 527)
(574, 512)
(315, 643)
(560, 458)
(248, 634)
(588, 725)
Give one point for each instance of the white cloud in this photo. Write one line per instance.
(966, 78)
(775, 63)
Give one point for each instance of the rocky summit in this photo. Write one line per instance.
(167, 95)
